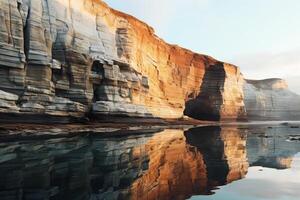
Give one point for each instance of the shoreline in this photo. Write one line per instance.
(21, 131)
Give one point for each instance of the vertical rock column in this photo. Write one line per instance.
(71, 48)
(12, 57)
(39, 90)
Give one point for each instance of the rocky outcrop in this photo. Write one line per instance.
(271, 99)
(68, 59)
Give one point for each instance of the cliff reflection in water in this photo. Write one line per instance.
(172, 164)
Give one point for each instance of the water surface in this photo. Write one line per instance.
(213, 163)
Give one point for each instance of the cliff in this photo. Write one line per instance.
(66, 60)
(69, 59)
(270, 99)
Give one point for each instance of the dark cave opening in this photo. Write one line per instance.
(207, 105)
(97, 72)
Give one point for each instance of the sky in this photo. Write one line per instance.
(262, 37)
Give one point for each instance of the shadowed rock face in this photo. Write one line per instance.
(271, 99)
(66, 59)
(219, 96)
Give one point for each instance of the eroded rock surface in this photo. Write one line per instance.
(69, 58)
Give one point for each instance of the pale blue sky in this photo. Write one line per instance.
(260, 36)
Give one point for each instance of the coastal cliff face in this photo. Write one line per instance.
(66, 59)
(73, 59)
(270, 99)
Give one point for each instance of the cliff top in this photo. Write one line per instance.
(271, 83)
(150, 31)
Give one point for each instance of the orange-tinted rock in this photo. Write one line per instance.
(176, 75)
(220, 96)
(99, 60)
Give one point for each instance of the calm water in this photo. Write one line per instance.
(206, 163)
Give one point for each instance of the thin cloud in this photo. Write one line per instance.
(268, 65)
(273, 63)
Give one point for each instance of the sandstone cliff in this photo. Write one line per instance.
(271, 99)
(69, 58)
(72, 59)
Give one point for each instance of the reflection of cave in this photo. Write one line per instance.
(224, 151)
(97, 76)
(208, 142)
(207, 105)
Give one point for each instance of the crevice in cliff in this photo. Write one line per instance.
(26, 34)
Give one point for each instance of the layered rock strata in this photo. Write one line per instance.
(270, 99)
(72, 59)
(67, 59)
